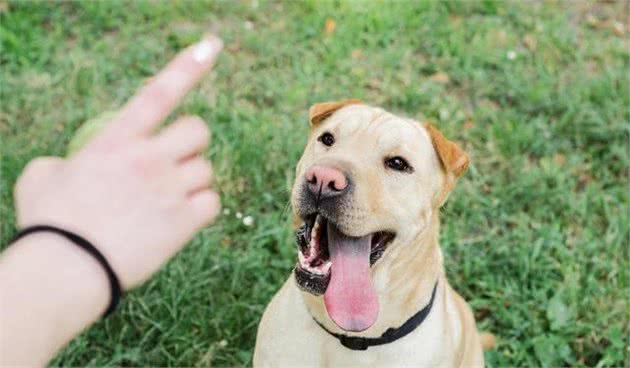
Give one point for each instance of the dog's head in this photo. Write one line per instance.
(367, 181)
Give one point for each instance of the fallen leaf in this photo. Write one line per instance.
(233, 47)
(440, 77)
(592, 21)
(583, 180)
(241, 184)
(497, 38)
(530, 42)
(373, 84)
(455, 19)
(330, 26)
(618, 29)
(559, 159)
(489, 104)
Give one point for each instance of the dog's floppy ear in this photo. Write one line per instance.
(454, 160)
(320, 111)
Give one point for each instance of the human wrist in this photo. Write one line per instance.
(87, 246)
(70, 271)
(59, 284)
(48, 285)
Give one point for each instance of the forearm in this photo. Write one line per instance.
(50, 290)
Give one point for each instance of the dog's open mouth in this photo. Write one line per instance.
(314, 256)
(337, 265)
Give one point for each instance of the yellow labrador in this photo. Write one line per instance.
(369, 287)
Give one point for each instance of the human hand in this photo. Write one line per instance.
(136, 195)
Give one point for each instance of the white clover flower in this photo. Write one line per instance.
(248, 221)
(239, 215)
(226, 211)
(511, 55)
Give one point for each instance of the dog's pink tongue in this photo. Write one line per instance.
(350, 298)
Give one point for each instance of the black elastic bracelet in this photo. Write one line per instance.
(88, 247)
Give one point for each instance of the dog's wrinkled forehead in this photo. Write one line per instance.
(379, 129)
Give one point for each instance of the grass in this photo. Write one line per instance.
(535, 236)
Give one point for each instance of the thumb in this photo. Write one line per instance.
(34, 171)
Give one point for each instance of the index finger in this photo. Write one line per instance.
(155, 101)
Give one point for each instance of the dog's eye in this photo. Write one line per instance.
(327, 139)
(398, 163)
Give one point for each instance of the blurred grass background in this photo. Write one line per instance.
(535, 236)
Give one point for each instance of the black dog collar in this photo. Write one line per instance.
(391, 335)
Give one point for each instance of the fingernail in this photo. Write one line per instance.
(207, 48)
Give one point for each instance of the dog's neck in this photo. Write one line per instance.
(404, 280)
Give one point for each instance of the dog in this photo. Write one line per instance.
(369, 288)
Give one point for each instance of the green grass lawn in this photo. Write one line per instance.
(535, 236)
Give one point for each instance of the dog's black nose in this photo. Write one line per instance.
(325, 182)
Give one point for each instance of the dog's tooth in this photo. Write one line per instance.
(326, 267)
(304, 261)
(315, 229)
(314, 235)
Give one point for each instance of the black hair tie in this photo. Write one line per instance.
(88, 247)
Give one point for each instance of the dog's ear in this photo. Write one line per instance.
(320, 111)
(453, 159)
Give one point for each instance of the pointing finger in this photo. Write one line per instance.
(155, 101)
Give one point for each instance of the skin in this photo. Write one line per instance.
(137, 195)
(383, 199)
